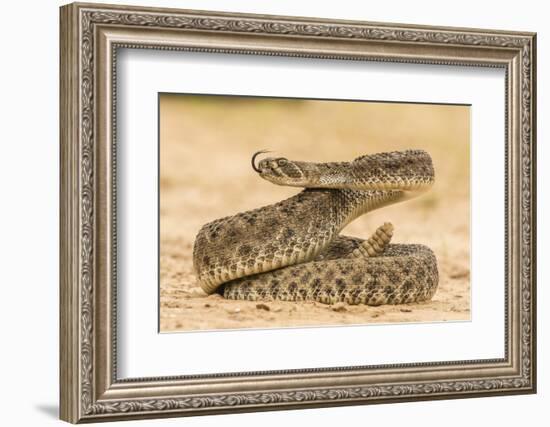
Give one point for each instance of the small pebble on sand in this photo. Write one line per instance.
(339, 307)
(262, 306)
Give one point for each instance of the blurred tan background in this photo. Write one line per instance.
(206, 143)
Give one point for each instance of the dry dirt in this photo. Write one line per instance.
(205, 149)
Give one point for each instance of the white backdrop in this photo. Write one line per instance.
(143, 352)
(29, 216)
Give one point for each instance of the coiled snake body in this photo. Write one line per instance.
(292, 250)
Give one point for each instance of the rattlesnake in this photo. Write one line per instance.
(292, 250)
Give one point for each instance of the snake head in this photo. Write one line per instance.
(281, 171)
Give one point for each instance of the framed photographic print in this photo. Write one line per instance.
(265, 212)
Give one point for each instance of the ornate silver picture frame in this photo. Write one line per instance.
(91, 36)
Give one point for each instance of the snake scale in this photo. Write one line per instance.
(292, 250)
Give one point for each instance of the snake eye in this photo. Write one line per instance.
(282, 162)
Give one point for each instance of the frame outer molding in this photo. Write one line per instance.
(89, 388)
(69, 223)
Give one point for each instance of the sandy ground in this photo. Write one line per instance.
(206, 144)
